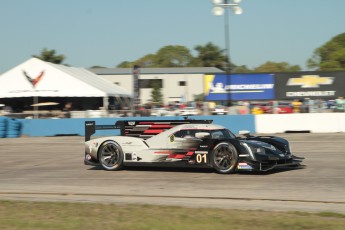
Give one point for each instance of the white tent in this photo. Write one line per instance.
(36, 78)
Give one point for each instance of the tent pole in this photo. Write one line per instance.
(36, 107)
(106, 104)
(122, 103)
(133, 106)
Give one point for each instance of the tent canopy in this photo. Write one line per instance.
(36, 78)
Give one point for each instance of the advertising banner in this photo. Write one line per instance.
(237, 87)
(312, 85)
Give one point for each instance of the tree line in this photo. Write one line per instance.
(328, 57)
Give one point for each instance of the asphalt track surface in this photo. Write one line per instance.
(52, 169)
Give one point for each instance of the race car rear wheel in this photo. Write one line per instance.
(224, 158)
(110, 156)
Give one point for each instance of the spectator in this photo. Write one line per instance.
(330, 104)
(320, 104)
(340, 104)
(67, 110)
(305, 106)
(296, 105)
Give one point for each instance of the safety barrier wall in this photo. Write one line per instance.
(264, 124)
(300, 122)
(75, 126)
(9, 127)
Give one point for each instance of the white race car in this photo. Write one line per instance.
(184, 143)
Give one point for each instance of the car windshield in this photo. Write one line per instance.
(214, 134)
(221, 133)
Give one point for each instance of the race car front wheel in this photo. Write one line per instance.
(224, 158)
(110, 156)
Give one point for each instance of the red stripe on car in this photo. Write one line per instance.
(189, 153)
(176, 156)
(146, 123)
(153, 131)
(160, 126)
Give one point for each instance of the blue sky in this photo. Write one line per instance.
(107, 32)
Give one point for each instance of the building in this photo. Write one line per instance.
(177, 84)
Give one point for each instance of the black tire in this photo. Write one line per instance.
(110, 156)
(224, 158)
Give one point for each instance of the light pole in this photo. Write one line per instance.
(221, 6)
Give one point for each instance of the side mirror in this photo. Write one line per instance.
(244, 132)
(201, 135)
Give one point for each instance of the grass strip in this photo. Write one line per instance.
(61, 215)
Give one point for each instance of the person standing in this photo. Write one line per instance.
(340, 104)
(296, 105)
(67, 110)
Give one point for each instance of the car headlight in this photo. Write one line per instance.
(288, 148)
(271, 147)
(252, 150)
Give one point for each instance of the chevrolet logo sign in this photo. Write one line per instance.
(310, 81)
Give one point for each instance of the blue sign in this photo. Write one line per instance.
(222, 87)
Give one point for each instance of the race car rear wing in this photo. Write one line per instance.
(139, 128)
(91, 127)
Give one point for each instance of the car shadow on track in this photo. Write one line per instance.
(273, 171)
(202, 170)
(160, 169)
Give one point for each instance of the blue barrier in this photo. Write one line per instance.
(75, 126)
(13, 128)
(10, 127)
(3, 126)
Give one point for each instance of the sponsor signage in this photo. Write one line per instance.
(313, 85)
(222, 87)
(34, 80)
(33, 91)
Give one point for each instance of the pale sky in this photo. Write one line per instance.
(108, 32)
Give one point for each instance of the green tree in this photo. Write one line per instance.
(156, 93)
(210, 55)
(97, 67)
(168, 56)
(125, 64)
(172, 56)
(241, 69)
(146, 61)
(50, 56)
(199, 97)
(330, 56)
(270, 66)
